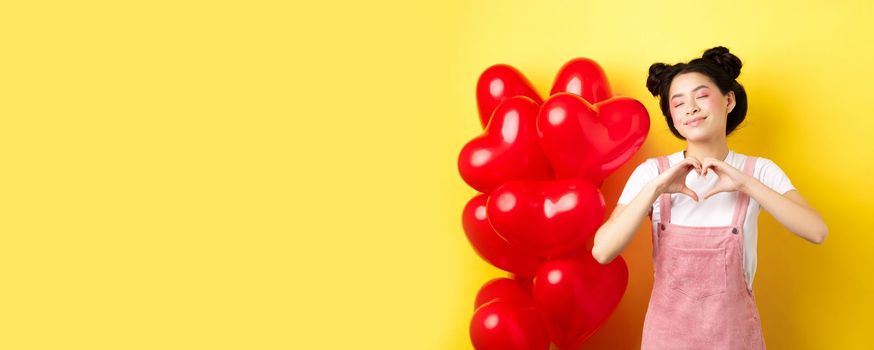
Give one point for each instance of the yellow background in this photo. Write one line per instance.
(282, 175)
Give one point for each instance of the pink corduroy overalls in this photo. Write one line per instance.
(700, 298)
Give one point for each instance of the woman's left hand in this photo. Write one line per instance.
(730, 179)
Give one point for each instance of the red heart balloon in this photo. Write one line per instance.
(489, 245)
(576, 296)
(498, 83)
(507, 325)
(586, 141)
(504, 289)
(507, 150)
(546, 218)
(526, 281)
(583, 77)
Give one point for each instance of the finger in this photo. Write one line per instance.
(710, 194)
(708, 163)
(687, 166)
(695, 164)
(682, 167)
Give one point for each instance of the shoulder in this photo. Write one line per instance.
(647, 168)
(766, 163)
(766, 166)
(761, 163)
(768, 172)
(651, 165)
(645, 172)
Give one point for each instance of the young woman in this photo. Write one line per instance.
(704, 203)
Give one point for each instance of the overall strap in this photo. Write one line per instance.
(665, 198)
(743, 200)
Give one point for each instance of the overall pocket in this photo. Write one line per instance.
(697, 272)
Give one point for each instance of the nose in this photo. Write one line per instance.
(692, 110)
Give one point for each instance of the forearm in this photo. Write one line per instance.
(799, 219)
(612, 237)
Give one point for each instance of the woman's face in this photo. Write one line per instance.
(698, 108)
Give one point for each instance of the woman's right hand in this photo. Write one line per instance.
(673, 180)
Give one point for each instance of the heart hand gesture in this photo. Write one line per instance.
(730, 179)
(673, 180)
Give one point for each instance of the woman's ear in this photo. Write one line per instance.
(731, 101)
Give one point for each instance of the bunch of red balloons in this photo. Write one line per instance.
(539, 166)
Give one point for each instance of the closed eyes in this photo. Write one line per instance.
(681, 103)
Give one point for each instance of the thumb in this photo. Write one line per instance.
(687, 191)
(713, 191)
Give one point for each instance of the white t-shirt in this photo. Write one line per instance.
(716, 210)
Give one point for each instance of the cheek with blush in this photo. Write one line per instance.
(711, 103)
(678, 123)
(674, 117)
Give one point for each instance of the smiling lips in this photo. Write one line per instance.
(695, 121)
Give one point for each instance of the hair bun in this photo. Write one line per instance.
(728, 61)
(656, 75)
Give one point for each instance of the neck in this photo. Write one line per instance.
(714, 149)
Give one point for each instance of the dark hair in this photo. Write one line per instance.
(717, 63)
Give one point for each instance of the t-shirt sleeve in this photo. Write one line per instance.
(772, 176)
(642, 175)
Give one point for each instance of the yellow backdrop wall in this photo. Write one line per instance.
(281, 175)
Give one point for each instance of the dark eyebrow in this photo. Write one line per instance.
(693, 90)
